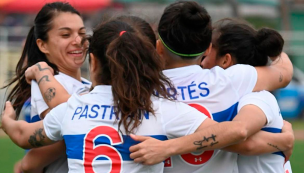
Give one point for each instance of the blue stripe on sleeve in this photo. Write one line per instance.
(226, 115)
(35, 118)
(274, 130)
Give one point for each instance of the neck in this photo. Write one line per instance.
(73, 73)
(176, 62)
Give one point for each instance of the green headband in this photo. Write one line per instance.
(180, 54)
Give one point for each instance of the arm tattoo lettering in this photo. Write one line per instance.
(46, 77)
(206, 139)
(49, 94)
(36, 140)
(274, 146)
(281, 77)
(41, 69)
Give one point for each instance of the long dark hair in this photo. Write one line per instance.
(129, 62)
(245, 44)
(31, 54)
(185, 27)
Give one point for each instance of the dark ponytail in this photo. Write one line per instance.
(245, 44)
(31, 54)
(130, 63)
(185, 28)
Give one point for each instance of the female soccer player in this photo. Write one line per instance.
(235, 42)
(32, 161)
(129, 96)
(184, 36)
(56, 39)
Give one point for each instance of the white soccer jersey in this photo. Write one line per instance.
(93, 142)
(266, 163)
(38, 105)
(218, 90)
(287, 167)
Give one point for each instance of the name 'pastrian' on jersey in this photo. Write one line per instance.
(101, 112)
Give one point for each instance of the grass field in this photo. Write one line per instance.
(10, 153)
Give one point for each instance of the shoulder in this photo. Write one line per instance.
(60, 109)
(265, 96)
(62, 78)
(240, 67)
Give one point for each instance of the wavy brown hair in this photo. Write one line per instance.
(132, 66)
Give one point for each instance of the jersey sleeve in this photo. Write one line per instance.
(244, 78)
(37, 98)
(262, 101)
(53, 121)
(179, 119)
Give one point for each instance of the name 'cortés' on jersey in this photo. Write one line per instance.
(89, 128)
(217, 93)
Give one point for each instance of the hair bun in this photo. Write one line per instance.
(194, 15)
(269, 42)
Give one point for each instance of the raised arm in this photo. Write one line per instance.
(53, 92)
(277, 75)
(25, 135)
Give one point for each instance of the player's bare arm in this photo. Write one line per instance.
(209, 136)
(277, 75)
(30, 163)
(25, 135)
(265, 142)
(53, 92)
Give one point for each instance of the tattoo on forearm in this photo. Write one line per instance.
(49, 94)
(206, 139)
(281, 77)
(46, 77)
(37, 139)
(41, 69)
(274, 146)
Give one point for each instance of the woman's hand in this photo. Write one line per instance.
(31, 72)
(287, 128)
(8, 116)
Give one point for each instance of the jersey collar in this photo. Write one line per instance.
(181, 71)
(102, 89)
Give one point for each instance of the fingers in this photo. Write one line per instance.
(139, 138)
(9, 110)
(29, 74)
(138, 153)
(134, 148)
(8, 115)
(287, 127)
(137, 147)
(145, 161)
(17, 167)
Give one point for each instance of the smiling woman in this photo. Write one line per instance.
(55, 38)
(63, 47)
